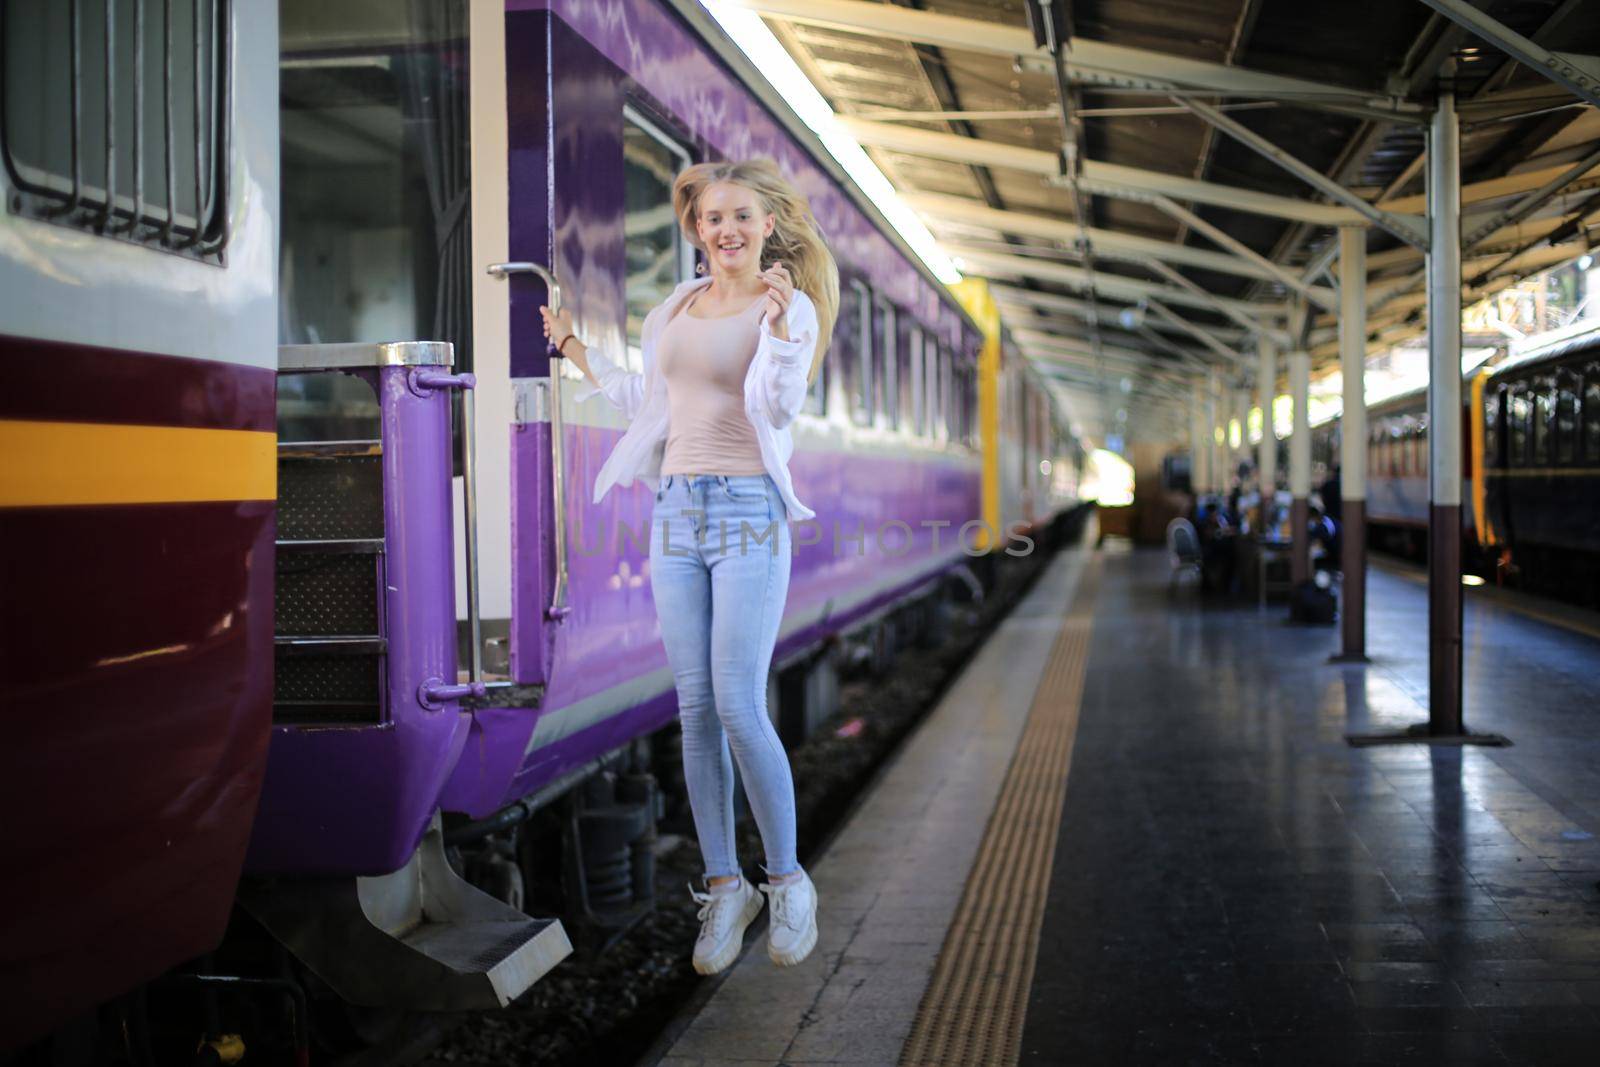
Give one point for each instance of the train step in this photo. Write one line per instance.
(421, 939)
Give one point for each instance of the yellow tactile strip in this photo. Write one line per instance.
(972, 1012)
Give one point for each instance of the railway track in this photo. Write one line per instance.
(1574, 617)
(613, 1007)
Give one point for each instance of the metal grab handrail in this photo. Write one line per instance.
(557, 609)
(420, 381)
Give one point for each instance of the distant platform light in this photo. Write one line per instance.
(1472, 579)
(1108, 479)
(1585, 261)
(1044, 467)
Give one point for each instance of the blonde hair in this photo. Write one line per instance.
(795, 239)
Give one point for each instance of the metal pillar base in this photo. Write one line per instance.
(1444, 619)
(1353, 588)
(1421, 734)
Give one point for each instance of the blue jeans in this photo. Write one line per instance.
(719, 571)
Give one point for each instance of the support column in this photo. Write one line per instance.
(1199, 447)
(1267, 451)
(1444, 419)
(1215, 406)
(1300, 467)
(1444, 725)
(1241, 414)
(1353, 441)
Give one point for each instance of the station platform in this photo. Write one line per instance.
(1133, 832)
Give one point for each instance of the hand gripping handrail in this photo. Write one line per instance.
(558, 609)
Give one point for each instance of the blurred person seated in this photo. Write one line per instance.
(1324, 536)
(1218, 537)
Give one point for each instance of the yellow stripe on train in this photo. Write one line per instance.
(45, 464)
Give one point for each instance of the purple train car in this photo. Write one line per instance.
(462, 642)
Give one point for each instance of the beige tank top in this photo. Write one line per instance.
(704, 362)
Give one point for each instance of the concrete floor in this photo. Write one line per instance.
(1235, 884)
(1232, 883)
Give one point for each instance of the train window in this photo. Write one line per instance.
(888, 363)
(116, 118)
(654, 249)
(964, 405)
(861, 398)
(914, 377)
(1566, 422)
(906, 389)
(327, 407)
(1541, 427)
(1518, 408)
(1024, 437)
(930, 386)
(817, 395)
(965, 399)
(1591, 415)
(375, 236)
(946, 395)
(1492, 401)
(947, 401)
(957, 403)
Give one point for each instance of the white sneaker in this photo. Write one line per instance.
(792, 926)
(723, 918)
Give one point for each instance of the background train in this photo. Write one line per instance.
(306, 607)
(1531, 469)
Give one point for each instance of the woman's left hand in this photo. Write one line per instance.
(780, 290)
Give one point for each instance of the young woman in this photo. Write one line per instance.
(728, 360)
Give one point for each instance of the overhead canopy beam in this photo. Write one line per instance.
(1092, 62)
(1211, 300)
(1078, 376)
(1075, 375)
(1184, 356)
(1533, 201)
(1577, 74)
(1115, 286)
(1194, 331)
(1026, 316)
(1265, 268)
(1135, 358)
(1138, 327)
(1044, 303)
(1101, 179)
(1491, 188)
(1410, 230)
(1108, 243)
(1320, 262)
(1528, 258)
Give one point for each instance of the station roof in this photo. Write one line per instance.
(1133, 233)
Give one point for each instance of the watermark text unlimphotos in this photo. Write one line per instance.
(690, 532)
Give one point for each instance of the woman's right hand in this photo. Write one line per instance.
(557, 325)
